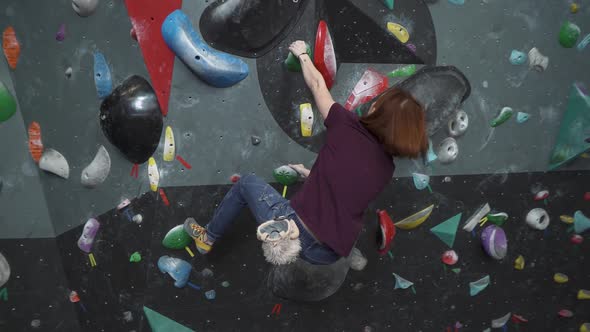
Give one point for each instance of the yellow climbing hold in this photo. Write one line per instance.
(169, 146)
(574, 8)
(560, 278)
(519, 263)
(415, 220)
(584, 294)
(585, 155)
(585, 327)
(567, 219)
(398, 31)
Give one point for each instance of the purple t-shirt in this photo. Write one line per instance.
(350, 171)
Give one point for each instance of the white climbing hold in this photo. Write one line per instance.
(98, 170)
(69, 72)
(54, 162)
(458, 124)
(4, 270)
(357, 260)
(537, 61)
(538, 219)
(448, 150)
(84, 8)
(500, 322)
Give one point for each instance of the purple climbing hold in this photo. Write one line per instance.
(61, 33)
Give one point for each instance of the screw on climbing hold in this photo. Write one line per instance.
(569, 34)
(519, 263)
(503, 116)
(135, 257)
(574, 7)
(537, 61)
(60, 35)
(276, 310)
(517, 57)
(11, 47)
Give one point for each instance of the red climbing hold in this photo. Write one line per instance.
(164, 197)
(11, 47)
(576, 239)
(368, 87)
(519, 319)
(385, 233)
(324, 57)
(235, 178)
(564, 313)
(183, 162)
(587, 196)
(147, 17)
(35, 143)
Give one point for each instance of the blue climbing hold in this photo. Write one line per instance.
(517, 57)
(178, 269)
(457, 2)
(430, 155)
(210, 294)
(584, 42)
(421, 181)
(522, 117)
(216, 68)
(401, 283)
(581, 222)
(102, 76)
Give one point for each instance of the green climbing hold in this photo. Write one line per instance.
(456, 270)
(403, 71)
(497, 218)
(135, 257)
(292, 62)
(176, 238)
(505, 114)
(285, 175)
(447, 230)
(7, 103)
(569, 34)
(388, 3)
(161, 323)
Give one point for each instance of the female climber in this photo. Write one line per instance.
(322, 221)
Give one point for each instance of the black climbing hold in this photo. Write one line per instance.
(131, 119)
(255, 140)
(234, 26)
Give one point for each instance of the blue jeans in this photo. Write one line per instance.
(266, 204)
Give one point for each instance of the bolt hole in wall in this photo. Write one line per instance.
(197, 57)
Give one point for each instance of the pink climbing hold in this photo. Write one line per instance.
(60, 35)
(541, 195)
(576, 239)
(564, 313)
(450, 257)
(371, 85)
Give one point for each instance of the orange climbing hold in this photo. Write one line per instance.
(11, 46)
(35, 144)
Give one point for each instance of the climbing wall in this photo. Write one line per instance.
(65, 80)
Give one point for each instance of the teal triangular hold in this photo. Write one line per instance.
(447, 230)
(388, 4)
(401, 282)
(479, 285)
(572, 139)
(161, 323)
(581, 222)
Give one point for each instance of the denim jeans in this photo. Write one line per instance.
(266, 204)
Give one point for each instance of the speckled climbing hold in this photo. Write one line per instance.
(54, 162)
(60, 35)
(404, 71)
(500, 322)
(306, 119)
(292, 62)
(255, 140)
(574, 8)
(324, 57)
(131, 119)
(581, 222)
(84, 8)
(416, 219)
(560, 278)
(169, 146)
(585, 327)
(102, 76)
(399, 31)
(450, 257)
(98, 170)
(135, 257)
(475, 219)
(503, 116)
(541, 195)
(564, 313)
(566, 219)
(421, 181)
(458, 123)
(4, 270)
(210, 295)
(494, 242)
(522, 117)
(577, 239)
(86, 240)
(497, 218)
(176, 238)
(388, 3)
(371, 85)
(477, 286)
(583, 294)
(385, 233)
(7, 103)
(178, 269)
(569, 34)
(216, 68)
(11, 47)
(538, 219)
(519, 263)
(401, 283)
(153, 174)
(517, 57)
(447, 151)
(285, 175)
(537, 61)
(583, 43)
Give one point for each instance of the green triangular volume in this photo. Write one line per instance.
(447, 230)
(388, 4)
(161, 323)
